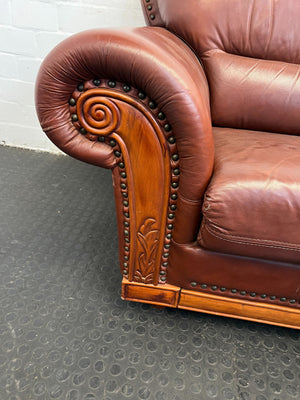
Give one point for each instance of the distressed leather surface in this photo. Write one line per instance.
(192, 263)
(251, 55)
(251, 28)
(250, 93)
(252, 204)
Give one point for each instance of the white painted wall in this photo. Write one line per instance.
(29, 29)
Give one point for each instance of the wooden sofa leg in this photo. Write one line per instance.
(158, 295)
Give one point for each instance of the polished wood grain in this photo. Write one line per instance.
(142, 176)
(173, 296)
(147, 167)
(161, 295)
(237, 308)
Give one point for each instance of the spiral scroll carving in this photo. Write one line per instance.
(97, 114)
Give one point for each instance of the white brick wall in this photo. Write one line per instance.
(29, 29)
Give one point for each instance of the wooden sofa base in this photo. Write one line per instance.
(174, 296)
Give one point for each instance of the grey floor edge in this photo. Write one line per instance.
(66, 334)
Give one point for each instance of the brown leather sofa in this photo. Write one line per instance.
(198, 117)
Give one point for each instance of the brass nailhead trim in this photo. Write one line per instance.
(242, 292)
(96, 82)
(80, 87)
(111, 84)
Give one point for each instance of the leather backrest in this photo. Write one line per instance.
(250, 50)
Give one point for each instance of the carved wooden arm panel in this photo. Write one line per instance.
(146, 175)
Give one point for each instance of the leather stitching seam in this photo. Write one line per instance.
(262, 243)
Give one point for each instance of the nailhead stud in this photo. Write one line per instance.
(74, 117)
(149, 8)
(162, 272)
(121, 164)
(174, 185)
(125, 203)
(175, 157)
(167, 127)
(111, 84)
(193, 284)
(163, 278)
(141, 95)
(214, 287)
(174, 196)
(152, 104)
(176, 171)
(172, 139)
(152, 16)
(72, 101)
(123, 174)
(80, 87)
(161, 115)
(126, 88)
(112, 142)
(82, 131)
(170, 226)
(204, 286)
(117, 153)
(96, 82)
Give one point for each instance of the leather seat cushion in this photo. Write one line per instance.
(252, 204)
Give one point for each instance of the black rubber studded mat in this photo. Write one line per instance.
(66, 334)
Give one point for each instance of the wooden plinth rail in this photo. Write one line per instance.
(174, 296)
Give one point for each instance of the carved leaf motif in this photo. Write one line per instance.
(139, 278)
(148, 239)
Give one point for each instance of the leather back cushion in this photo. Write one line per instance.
(250, 51)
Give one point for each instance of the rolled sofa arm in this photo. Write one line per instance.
(136, 101)
(150, 59)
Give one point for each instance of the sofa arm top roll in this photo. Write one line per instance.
(154, 61)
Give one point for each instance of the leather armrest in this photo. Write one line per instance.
(150, 59)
